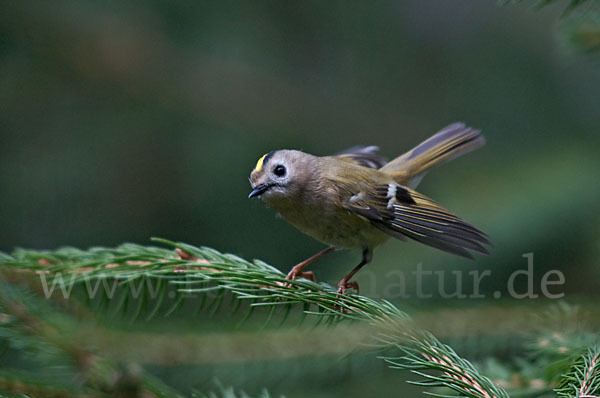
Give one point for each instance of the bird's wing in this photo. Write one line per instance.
(400, 212)
(366, 156)
(451, 142)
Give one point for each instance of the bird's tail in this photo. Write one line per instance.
(452, 141)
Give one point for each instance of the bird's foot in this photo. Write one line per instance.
(296, 272)
(343, 286)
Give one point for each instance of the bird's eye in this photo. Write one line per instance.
(279, 170)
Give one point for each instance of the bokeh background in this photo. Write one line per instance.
(121, 121)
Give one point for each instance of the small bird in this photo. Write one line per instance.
(355, 199)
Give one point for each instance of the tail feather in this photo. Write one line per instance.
(452, 141)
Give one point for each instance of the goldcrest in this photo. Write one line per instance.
(356, 199)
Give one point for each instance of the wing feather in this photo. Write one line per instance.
(402, 212)
(366, 156)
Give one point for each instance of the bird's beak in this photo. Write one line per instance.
(259, 190)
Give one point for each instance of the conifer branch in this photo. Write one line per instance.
(201, 270)
(34, 328)
(229, 392)
(428, 353)
(583, 380)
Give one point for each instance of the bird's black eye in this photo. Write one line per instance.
(279, 170)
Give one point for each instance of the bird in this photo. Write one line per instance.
(356, 199)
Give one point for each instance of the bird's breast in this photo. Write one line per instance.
(333, 225)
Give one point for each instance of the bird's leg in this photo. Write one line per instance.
(296, 270)
(345, 283)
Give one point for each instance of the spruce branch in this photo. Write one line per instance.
(229, 392)
(202, 270)
(196, 270)
(563, 333)
(427, 353)
(583, 380)
(33, 326)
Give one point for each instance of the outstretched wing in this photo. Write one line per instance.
(451, 142)
(402, 212)
(366, 156)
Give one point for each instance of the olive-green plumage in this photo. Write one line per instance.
(356, 200)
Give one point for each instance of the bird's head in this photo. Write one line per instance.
(281, 174)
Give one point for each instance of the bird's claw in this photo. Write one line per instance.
(344, 286)
(295, 274)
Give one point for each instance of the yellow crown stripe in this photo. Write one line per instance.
(259, 164)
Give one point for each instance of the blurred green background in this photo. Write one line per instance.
(126, 120)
